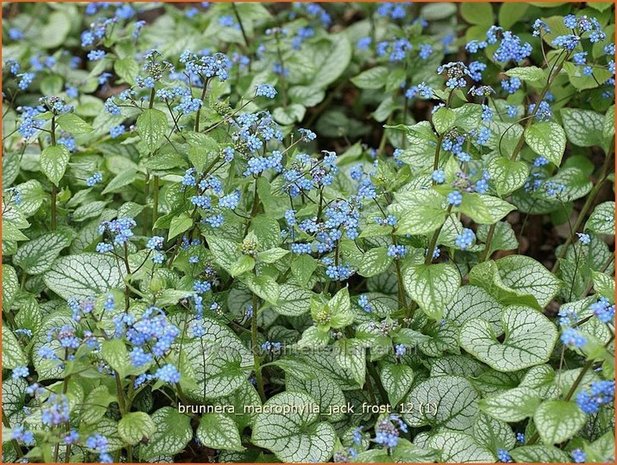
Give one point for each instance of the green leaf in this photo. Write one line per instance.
(12, 354)
(602, 220)
(529, 340)
(539, 454)
(421, 145)
(136, 427)
(507, 175)
(473, 302)
(510, 13)
(419, 211)
(374, 261)
(484, 209)
(335, 61)
(512, 405)
(226, 253)
(516, 279)
(173, 433)
(293, 300)
(432, 286)
(38, 255)
(397, 380)
(97, 401)
(531, 74)
(219, 431)
(272, 255)
(458, 447)
(244, 264)
(120, 181)
(291, 114)
(72, 123)
(151, 126)
(302, 268)
(340, 309)
(584, 128)
(54, 160)
(10, 286)
(84, 275)
(54, 33)
(267, 231)
(493, 434)
(127, 68)
(444, 120)
(297, 436)
(608, 131)
(547, 139)
(477, 13)
(558, 420)
(216, 373)
(350, 354)
(264, 286)
(450, 402)
(115, 353)
(179, 224)
(321, 388)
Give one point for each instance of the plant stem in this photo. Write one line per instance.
(579, 379)
(54, 188)
(5, 422)
(203, 95)
(155, 200)
(237, 15)
(256, 361)
(589, 202)
(151, 102)
(373, 372)
(433, 242)
(521, 141)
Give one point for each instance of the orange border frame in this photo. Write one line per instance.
(2, 2)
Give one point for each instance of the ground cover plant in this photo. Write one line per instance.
(308, 232)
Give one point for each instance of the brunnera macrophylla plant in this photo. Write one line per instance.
(308, 232)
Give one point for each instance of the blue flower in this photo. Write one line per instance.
(584, 238)
(96, 55)
(573, 338)
(400, 350)
(600, 393)
(117, 131)
(578, 456)
(26, 80)
(568, 41)
(511, 85)
(397, 251)
(603, 310)
(439, 176)
(455, 198)
(21, 434)
(465, 239)
(265, 90)
(20, 372)
(504, 456)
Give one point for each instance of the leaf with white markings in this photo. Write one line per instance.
(529, 340)
(84, 275)
(54, 160)
(38, 255)
(432, 286)
(547, 139)
(173, 433)
(397, 380)
(558, 420)
(449, 401)
(219, 431)
(298, 436)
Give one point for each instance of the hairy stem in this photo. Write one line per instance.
(256, 358)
